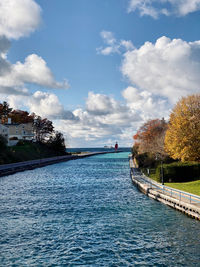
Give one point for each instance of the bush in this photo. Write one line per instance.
(179, 172)
(145, 160)
(3, 143)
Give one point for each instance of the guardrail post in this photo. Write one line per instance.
(180, 195)
(190, 199)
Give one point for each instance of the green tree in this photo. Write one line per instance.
(57, 143)
(43, 129)
(3, 143)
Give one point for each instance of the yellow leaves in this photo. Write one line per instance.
(182, 140)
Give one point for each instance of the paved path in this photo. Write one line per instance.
(171, 192)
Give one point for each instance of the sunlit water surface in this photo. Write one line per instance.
(88, 213)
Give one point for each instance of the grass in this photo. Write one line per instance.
(190, 187)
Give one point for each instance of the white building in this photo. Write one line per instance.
(15, 132)
(4, 131)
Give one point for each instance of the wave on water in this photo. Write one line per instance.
(97, 149)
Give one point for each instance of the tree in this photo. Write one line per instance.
(57, 143)
(134, 149)
(4, 111)
(150, 138)
(182, 139)
(43, 128)
(20, 116)
(3, 143)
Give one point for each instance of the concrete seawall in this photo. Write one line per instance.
(7, 169)
(192, 209)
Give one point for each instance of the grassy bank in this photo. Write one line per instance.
(190, 187)
(27, 151)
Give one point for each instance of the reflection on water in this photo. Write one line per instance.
(87, 212)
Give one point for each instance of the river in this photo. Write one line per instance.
(87, 212)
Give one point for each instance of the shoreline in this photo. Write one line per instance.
(11, 168)
(176, 199)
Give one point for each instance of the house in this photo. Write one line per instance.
(4, 131)
(19, 131)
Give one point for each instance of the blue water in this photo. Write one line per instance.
(97, 149)
(88, 213)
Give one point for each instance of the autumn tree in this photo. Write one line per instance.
(150, 138)
(4, 111)
(43, 128)
(21, 116)
(182, 139)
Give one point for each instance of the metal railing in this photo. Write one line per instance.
(169, 191)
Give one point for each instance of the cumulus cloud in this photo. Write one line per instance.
(146, 104)
(154, 8)
(33, 71)
(4, 64)
(99, 104)
(113, 45)
(103, 120)
(169, 68)
(18, 17)
(48, 105)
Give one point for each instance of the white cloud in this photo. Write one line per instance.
(104, 121)
(113, 46)
(18, 17)
(168, 68)
(33, 71)
(108, 37)
(126, 44)
(148, 105)
(48, 105)
(99, 104)
(4, 64)
(154, 8)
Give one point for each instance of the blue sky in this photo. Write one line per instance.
(122, 61)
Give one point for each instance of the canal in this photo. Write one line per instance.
(88, 213)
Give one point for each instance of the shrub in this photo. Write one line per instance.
(3, 143)
(179, 172)
(145, 160)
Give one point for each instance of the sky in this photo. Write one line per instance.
(99, 69)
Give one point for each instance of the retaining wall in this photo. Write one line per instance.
(7, 169)
(192, 210)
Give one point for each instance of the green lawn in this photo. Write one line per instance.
(190, 187)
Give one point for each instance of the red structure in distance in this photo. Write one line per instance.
(116, 146)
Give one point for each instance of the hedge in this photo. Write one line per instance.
(179, 172)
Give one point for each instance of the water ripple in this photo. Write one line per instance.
(88, 213)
